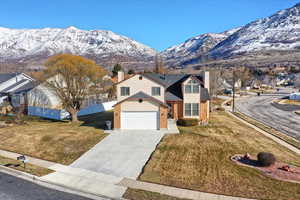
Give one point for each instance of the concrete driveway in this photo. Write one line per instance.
(121, 154)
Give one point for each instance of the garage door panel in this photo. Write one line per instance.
(139, 120)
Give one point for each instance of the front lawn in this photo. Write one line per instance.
(61, 142)
(198, 159)
(291, 102)
(31, 169)
(134, 194)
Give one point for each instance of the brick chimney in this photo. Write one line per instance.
(120, 76)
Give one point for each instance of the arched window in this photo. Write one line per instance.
(192, 87)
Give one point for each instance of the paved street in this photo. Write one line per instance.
(260, 108)
(13, 188)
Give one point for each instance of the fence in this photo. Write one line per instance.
(62, 114)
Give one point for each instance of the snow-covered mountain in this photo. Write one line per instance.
(277, 36)
(26, 45)
(280, 31)
(194, 47)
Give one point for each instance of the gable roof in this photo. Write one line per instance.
(6, 76)
(173, 83)
(144, 96)
(145, 75)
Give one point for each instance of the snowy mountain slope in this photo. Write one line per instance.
(280, 31)
(31, 44)
(261, 41)
(194, 47)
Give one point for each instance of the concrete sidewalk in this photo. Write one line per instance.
(175, 192)
(86, 181)
(105, 185)
(81, 180)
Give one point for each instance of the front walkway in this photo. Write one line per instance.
(121, 154)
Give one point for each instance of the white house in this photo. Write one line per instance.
(43, 102)
(15, 85)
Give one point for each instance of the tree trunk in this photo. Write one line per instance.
(74, 115)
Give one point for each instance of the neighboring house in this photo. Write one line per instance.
(227, 84)
(146, 101)
(294, 96)
(43, 102)
(14, 88)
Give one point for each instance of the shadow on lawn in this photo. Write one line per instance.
(97, 120)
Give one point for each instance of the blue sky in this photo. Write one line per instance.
(157, 23)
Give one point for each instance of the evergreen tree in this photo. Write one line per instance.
(131, 71)
(117, 67)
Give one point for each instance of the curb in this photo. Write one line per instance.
(37, 180)
(276, 139)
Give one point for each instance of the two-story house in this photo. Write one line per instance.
(146, 101)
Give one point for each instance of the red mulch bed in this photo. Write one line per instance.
(274, 171)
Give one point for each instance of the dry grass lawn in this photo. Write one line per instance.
(134, 194)
(31, 169)
(217, 101)
(198, 159)
(61, 142)
(270, 130)
(292, 102)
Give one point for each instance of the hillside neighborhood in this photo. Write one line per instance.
(92, 114)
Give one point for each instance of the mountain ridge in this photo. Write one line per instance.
(276, 35)
(31, 45)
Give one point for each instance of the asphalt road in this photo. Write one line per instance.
(13, 188)
(261, 109)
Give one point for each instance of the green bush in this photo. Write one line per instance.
(188, 122)
(266, 159)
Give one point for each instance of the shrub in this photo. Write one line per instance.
(188, 122)
(266, 159)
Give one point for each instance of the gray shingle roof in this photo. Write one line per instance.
(172, 82)
(142, 95)
(25, 88)
(172, 97)
(167, 79)
(14, 85)
(204, 94)
(7, 76)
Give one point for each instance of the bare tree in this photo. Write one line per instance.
(159, 65)
(215, 81)
(72, 79)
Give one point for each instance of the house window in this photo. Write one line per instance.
(125, 91)
(191, 109)
(192, 87)
(155, 91)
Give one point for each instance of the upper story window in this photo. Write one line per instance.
(125, 91)
(192, 87)
(155, 91)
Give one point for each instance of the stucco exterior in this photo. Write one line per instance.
(140, 99)
(136, 85)
(190, 98)
(137, 106)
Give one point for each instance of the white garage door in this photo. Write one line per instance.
(139, 120)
